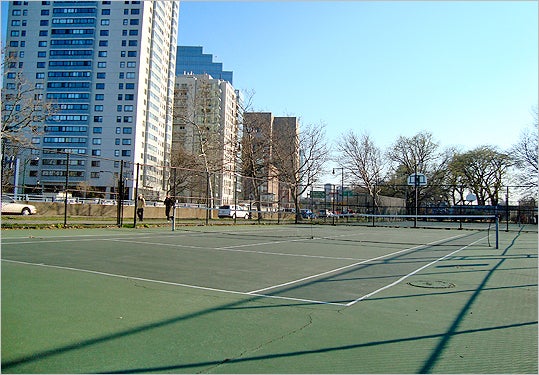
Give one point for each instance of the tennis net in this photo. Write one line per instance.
(488, 223)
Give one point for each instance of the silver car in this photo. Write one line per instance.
(10, 206)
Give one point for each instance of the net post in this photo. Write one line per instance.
(497, 230)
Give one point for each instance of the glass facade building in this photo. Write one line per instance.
(192, 60)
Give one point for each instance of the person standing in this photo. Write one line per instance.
(169, 203)
(141, 203)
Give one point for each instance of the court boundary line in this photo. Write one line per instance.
(172, 283)
(412, 273)
(257, 293)
(354, 264)
(236, 250)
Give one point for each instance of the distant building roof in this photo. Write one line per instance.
(191, 59)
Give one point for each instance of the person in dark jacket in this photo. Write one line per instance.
(169, 203)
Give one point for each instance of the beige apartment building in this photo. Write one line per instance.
(205, 139)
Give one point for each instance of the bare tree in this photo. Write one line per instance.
(524, 155)
(258, 172)
(299, 167)
(24, 111)
(362, 160)
(421, 154)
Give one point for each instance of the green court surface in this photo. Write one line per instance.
(269, 299)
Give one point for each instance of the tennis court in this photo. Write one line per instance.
(269, 299)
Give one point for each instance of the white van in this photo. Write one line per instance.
(233, 212)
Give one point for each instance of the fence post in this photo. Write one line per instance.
(135, 198)
(65, 190)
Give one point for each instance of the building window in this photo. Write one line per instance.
(98, 130)
(126, 152)
(118, 130)
(132, 54)
(96, 141)
(128, 108)
(101, 64)
(99, 86)
(118, 118)
(96, 163)
(103, 33)
(99, 96)
(127, 130)
(98, 118)
(126, 141)
(96, 152)
(98, 108)
(101, 75)
(42, 43)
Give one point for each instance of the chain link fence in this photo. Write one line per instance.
(70, 188)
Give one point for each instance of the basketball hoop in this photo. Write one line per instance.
(417, 179)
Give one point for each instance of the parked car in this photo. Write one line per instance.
(10, 206)
(233, 211)
(307, 214)
(326, 213)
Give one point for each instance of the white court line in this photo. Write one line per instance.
(236, 250)
(172, 283)
(352, 265)
(411, 273)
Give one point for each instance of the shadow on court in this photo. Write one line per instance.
(438, 342)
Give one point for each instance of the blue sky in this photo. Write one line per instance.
(465, 71)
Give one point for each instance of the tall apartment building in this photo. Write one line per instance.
(192, 60)
(271, 157)
(205, 137)
(108, 68)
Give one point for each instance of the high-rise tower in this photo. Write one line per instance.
(108, 68)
